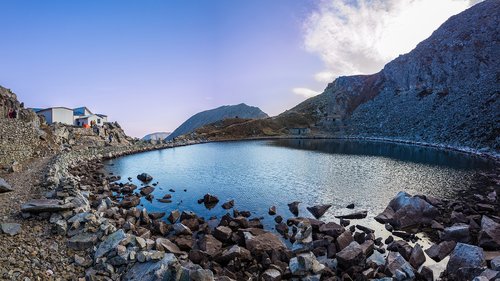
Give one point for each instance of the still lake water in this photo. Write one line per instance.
(259, 174)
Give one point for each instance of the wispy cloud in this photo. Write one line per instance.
(360, 36)
(305, 92)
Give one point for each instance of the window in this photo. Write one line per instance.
(98, 121)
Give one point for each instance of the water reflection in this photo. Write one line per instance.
(403, 152)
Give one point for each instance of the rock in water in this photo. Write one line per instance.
(467, 257)
(228, 205)
(10, 228)
(4, 186)
(405, 210)
(147, 190)
(489, 237)
(145, 177)
(319, 210)
(294, 208)
(354, 216)
(272, 210)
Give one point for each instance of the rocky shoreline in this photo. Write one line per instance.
(110, 238)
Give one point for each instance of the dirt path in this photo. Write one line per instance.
(34, 253)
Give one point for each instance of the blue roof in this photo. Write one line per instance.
(81, 110)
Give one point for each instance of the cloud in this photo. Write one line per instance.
(305, 92)
(361, 36)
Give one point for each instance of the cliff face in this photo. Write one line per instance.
(210, 116)
(445, 91)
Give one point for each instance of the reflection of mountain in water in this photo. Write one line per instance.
(398, 151)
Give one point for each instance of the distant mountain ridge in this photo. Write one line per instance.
(156, 136)
(210, 116)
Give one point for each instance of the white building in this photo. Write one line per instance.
(80, 116)
(62, 115)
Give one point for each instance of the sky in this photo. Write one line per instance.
(152, 64)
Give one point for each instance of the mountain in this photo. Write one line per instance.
(210, 116)
(156, 136)
(446, 91)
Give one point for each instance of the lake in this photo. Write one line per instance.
(259, 174)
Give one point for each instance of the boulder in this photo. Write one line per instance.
(10, 228)
(130, 201)
(495, 263)
(271, 274)
(156, 215)
(458, 232)
(163, 244)
(426, 273)
(399, 267)
(319, 210)
(305, 264)
(265, 242)
(145, 177)
(4, 186)
(223, 233)
(174, 216)
(331, 229)
(294, 208)
(406, 211)
(234, 252)
(228, 205)
(145, 256)
(439, 252)
(351, 255)
(489, 236)
(45, 205)
(165, 269)
(210, 245)
(417, 257)
(110, 243)
(147, 190)
(210, 199)
(344, 240)
(83, 241)
(354, 216)
(272, 210)
(463, 258)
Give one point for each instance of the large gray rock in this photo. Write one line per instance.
(167, 268)
(351, 255)
(465, 258)
(10, 228)
(399, 267)
(45, 205)
(458, 232)
(83, 241)
(4, 186)
(489, 236)
(319, 210)
(265, 242)
(110, 243)
(439, 251)
(405, 210)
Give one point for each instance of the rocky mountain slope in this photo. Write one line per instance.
(156, 136)
(210, 116)
(444, 92)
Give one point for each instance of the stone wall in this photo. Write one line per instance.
(19, 141)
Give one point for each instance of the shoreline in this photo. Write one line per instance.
(66, 187)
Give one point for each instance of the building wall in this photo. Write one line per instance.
(62, 115)
(88, 120)
(47, 114)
